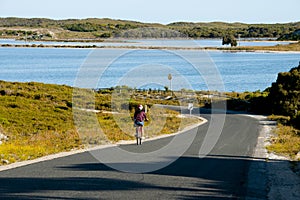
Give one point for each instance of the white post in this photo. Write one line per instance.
(190, 107)
(170, 78)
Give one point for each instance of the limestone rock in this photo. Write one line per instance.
(297, 157)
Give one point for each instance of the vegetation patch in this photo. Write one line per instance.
(38, 120)
(92, 28)
(286, 141)
(282, 102)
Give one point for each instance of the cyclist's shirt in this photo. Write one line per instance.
(139, 116)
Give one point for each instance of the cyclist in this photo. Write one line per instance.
(139, 118)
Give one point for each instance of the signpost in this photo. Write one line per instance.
(190, 107)
(170, 79)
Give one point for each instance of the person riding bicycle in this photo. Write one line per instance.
(140, 116)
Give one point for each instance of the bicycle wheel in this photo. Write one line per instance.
(139, 135)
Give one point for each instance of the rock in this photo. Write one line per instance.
(3, 138)
(3, 161)
(297, 157)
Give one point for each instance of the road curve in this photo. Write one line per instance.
(221, 174)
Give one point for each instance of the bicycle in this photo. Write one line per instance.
(139, 134)
(139, 118)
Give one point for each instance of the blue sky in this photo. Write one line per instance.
(160, 11)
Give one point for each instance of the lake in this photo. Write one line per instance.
(240, 71)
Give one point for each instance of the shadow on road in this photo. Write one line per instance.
(228, 172)
(213, 177)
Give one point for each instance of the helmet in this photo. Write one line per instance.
(140, 107)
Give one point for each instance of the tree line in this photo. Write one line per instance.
(291, 36)
(119, 28)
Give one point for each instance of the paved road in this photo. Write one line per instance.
(222, 174)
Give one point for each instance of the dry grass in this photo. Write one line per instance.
(34, 146)
(286, 141)
(119, 126)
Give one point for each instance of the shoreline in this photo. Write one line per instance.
(257, 50)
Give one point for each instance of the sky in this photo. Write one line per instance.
(157, 11)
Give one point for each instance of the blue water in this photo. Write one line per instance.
(243, 71)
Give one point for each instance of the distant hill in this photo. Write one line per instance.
(93, 28)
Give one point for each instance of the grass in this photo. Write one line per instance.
(279, 118)
(285, 142)
(119, 126)
(42, 119)
(286, 139)
(37, 119)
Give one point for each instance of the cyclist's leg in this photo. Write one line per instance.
(137, 131)
(137, 134)
(140, 134)
(141, 131)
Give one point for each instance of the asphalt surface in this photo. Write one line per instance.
(222, 174)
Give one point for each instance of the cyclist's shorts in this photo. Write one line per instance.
(139, 123)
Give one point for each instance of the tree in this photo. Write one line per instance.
(229, 39)
(166, 88)
(291, 36)
(104, 35)
(284, 97)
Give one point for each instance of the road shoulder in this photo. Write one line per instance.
(270, 171)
